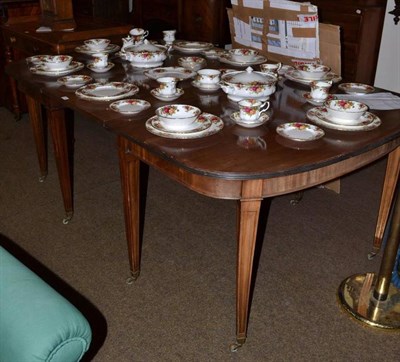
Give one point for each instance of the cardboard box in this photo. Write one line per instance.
(285, 31)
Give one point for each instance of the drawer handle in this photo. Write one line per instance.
(358, 11)
(13, 39)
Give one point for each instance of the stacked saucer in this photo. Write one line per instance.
(156, 93)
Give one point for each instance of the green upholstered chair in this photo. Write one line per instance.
(37, 323)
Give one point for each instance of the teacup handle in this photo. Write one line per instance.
(265, 106)
(146, 32)
(261, 143)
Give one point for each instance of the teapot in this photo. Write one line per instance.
(127, 42)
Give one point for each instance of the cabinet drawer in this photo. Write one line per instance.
(27, 45)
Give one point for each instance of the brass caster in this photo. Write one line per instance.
(42, 178)
(133, 277)
(68, 218)
(235, 346)
(373, 253)
(298, 196)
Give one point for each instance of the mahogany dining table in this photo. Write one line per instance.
(243, 164)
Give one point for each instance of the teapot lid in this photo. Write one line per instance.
(248, 76)
(146, 46)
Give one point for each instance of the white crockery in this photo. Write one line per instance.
(344, 111)
(243, 54)
(97, 44)
(100, 60)
(270, 67)
(313, 71)
(208, 76)
(146, 54)
(177, 116)
(320, 89)
(248, 84)
(167, 85)
(56, 62)
(251, 109)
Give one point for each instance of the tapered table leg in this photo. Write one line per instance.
(57, 122)
(372, 299)
(39, 134)
(248, 215)
(13, 85)
(130, 175)
(389, 185)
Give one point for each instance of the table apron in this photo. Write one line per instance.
(233, 189)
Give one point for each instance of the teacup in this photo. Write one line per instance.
(208, 76)
(97, 44)
(251, 109)
(270, 68)
(167, 85)
(100, 60)
(320, 89)
(138, 34)
(169, 36)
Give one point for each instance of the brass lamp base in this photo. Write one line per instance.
(356, 295)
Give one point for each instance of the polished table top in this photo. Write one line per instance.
(224, 154)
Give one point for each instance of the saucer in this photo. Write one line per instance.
(74, 81)
(129, 106)
(298, 131)
(317, 102)
(102, 69)
(235, 116)
(358, 89)
(206, 86)
(170, 97)
(319, 115)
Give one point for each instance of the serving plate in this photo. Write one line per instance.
(106, 91)
(294, 76)
(175, 72)
(191, 46)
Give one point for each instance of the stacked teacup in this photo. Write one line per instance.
(100, 61)
(138, 35)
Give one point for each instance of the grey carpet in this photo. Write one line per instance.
(182, 308)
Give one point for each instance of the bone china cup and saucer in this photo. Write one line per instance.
(97, 45)
(345, 112)
(178, 117)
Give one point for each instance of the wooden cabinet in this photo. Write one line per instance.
(203, 20)
(120, 10)
(361, 23)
